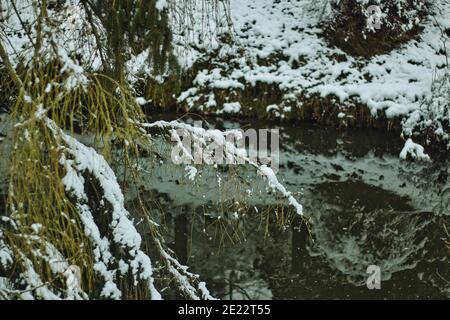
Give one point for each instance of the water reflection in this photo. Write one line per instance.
(366, 206)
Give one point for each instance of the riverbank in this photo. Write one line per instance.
(278, 64)
(278, 60)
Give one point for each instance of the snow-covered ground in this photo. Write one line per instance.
(398, 79)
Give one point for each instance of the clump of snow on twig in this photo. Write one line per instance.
(414, 150)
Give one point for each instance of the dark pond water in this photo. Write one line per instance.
(366, 207)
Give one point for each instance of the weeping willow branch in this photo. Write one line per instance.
(9, 68)
(27, 31)
(201, 136)
(90, 19)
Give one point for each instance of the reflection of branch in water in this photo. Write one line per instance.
(447, 242)
(188, 283)
(201, 136)
(440, 276)
(250, 290)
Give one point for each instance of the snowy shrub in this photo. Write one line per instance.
(360, 29)
(431, 122)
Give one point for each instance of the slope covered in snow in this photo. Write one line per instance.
(279, 46)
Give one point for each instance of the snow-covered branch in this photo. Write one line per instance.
(202, 137)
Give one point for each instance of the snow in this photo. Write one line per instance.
(31, 285)
(36, 227)
(182, 276)
(33, 281)
(27, 99)
(161, 4)
(5, 252)
(274, 183)
(141, 101)
(191, 172)
(69, 33)
(233, 107)
(76, 73)
(414, 150)
(73, 278)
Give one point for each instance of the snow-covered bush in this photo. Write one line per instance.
(369, 27)
(431, 122)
